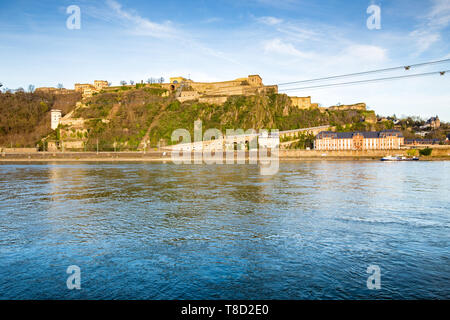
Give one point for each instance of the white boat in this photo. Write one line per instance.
(390, 158)
(398, 158)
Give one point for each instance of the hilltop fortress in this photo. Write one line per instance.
(217, 92)
(87, 116)
(205, 92)
(189, 90)
(88, 89)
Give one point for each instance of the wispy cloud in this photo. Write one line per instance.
(424, 38)
(212, 20)
(279, 46)
(277, 3)
(439, 14)
(140, 25)
(271, 21)
(435, 21)
(366, 53)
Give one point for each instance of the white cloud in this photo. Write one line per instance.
(424, 39)
(429, 32)
(212, 20)
(142, 26)
(271, 21)
(439, 14)
(301, 33)
(278, 46)
(277, 3)
(367, 53)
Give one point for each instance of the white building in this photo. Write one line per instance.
(381, 140)
(55, 118)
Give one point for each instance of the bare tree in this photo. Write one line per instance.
(131, 82)
(31, 88)
(161, 80)
(150, 80)
(123, 83)
(60, 86)
(109, 84)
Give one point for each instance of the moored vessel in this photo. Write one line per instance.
(398, 158)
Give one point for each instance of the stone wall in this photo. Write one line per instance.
(356, 106)
(18, 150)
(54, 90)
(100, 84)
(438, 154)
(72, 122)
(188, 95)
(82, 86)
(78, 144)
(301, 102)
(213, 99)
(242, 86)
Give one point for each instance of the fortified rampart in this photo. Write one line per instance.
(88, 89)
(356, 106)
(53, 90)
(217, 92)
(303, 102)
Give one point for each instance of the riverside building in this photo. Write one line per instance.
(380, 140)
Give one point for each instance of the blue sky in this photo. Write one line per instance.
(225, 39)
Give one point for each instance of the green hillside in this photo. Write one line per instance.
(25, 117)
(131, 113)
(120, 119)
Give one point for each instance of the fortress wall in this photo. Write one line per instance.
(188, 95)
(54, 90)
(240, 90)
(215, 86)
(242, 86)
(82, 86)
(100, 84)
(268, 88)
(301, 102)
(214, 100)
(356, 106)
(72, 122)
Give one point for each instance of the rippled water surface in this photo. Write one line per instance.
(165, 231)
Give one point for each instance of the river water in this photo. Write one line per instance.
(166, 231)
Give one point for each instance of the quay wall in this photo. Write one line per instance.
(438, 154)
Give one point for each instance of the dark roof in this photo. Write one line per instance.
(365, 134)
(433, 119)
(422, 141)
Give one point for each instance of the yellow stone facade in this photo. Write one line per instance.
(88, 89)
(218, 92)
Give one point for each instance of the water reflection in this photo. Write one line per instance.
(167, 231)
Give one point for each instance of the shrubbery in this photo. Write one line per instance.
(25, 117)
(426, 152)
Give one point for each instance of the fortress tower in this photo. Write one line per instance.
(55, 115)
